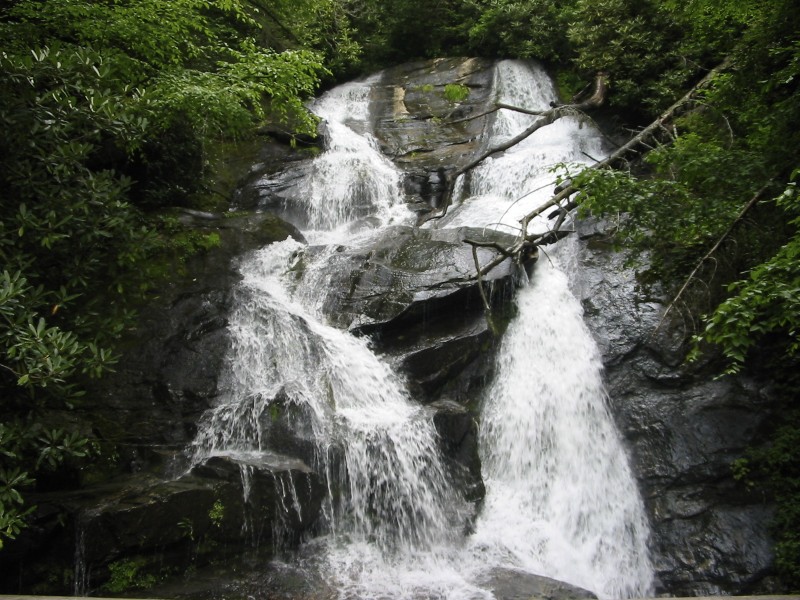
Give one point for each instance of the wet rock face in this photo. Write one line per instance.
(421, 110)
(458, 435)
(153, 528)
(409, 275)
(684, 429)
(167, 375)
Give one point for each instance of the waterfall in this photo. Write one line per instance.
(390, 495)
(351, 179)
(561, 500)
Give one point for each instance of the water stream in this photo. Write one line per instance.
(561, 500)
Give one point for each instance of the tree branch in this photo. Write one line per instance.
(567, 189)
(667, 115)
(545, 118)
(709, 254)
(498, 106)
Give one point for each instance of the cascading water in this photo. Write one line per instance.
(351, 179)
(560, 501)
(390, 494)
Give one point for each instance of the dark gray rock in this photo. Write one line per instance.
(275, 170)
(458, 433)
(263, 504)
(422, 130)
(274, 499)
(278, 192)
(287, 428)
(684, 428)
(408, 275)
(438, 354)
(510, 584)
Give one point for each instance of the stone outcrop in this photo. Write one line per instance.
(684, 429)
(422, 130)
(409, 275)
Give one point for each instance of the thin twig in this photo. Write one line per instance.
(486, 306)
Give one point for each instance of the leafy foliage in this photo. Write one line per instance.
(456, 92)
(533, 29)
(102, 104)
(767, 302)
(129, 574)
(391, 31)
(57, 111)
(682, 208)
(634, 43)
(324, 26)
(728, 169)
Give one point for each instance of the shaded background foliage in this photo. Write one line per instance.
(110, 111)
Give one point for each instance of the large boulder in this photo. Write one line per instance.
(458, 436)
(420, 120)
(407, 275)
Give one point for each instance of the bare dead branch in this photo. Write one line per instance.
(485, 113)
(664, 117)
(480, 279)
(494, 245)
(519, 109)
(498, 106)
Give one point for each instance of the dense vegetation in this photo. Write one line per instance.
(108, 109)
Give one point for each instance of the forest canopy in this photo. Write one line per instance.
(108, 109)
